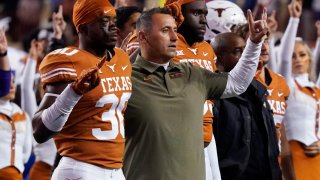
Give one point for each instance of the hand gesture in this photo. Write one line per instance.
(258, 29)
(295, 8)
(4, 23)
(88, 79)
(36, 51)
(317, 24)
(313, 149)
(3, 42)
(272, 22)
(124, 42)
(58, 23)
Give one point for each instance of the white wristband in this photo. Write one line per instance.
(57, 114)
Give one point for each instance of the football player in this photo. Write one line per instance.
(86, 90)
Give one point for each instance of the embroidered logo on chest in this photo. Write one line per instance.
(193, 50)
(111, 67)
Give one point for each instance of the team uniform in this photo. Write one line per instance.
(164, 138)
(16, 140)
(279, 92)
(92, 140)
(302, 125)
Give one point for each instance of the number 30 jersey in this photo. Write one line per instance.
(94, 131)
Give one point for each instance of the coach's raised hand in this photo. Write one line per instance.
(258, 29)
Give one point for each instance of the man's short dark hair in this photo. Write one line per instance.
(124, 13)
(145, 20)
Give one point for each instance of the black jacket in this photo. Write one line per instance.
(246, 136)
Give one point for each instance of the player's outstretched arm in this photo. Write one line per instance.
(288, 41)
(58, 102)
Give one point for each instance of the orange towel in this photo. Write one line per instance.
(175, 7)
(85, 11)
(180, 1)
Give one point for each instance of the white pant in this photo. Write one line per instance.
(69, 168)
(211, 161)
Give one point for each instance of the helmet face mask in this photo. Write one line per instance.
(222, 17)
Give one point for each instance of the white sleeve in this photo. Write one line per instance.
(273, 63)
(28, 97)
(316, 53)
(27, 148)
(57, 114)
(240, 77)
(287, 48)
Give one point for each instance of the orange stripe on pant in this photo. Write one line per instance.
(10, 173)
(40, 170)
(305, 168)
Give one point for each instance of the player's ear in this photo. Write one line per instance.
(219, 60)
(142, 36)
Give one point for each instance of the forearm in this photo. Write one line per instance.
(4, 61)
(242, 74)
(28, 97)
(51, 120)
(316, 51)
(273, 63)
(287, 48)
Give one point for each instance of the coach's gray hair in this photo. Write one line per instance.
(144, 23)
